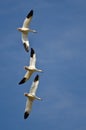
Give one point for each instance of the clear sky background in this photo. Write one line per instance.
(60, 45)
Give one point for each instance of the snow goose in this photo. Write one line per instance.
(31, 96)
(25, 30)
(31, 68)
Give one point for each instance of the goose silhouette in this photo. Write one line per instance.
(25, 30)
(31, 96)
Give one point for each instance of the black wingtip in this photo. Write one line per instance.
(30, 14)
(32, 52)
(26, 47)
(36, 78)
(22, 81)
(26, 114)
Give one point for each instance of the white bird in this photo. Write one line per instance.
(31, 96)
(31, 68)
(25, 30)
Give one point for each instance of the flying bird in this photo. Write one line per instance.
(25, 30)
(31, 68)
(31, 96)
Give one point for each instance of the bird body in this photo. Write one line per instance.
(25, 30)
(31, 68)
(31, 96)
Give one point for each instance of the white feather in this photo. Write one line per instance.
(31, 96)
(31, 68)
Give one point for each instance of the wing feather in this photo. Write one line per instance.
(26, 77)
(28, 19)
(28, 74)
(24, 37)
(25, 41)
(28, 108)
(32, 58)
(34, 85)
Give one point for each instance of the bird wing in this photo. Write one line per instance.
(34, 85)
(26, 77)
(28, 107)
(28, 19)
(25, 41)
(32, 57)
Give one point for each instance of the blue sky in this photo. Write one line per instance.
(60, 45)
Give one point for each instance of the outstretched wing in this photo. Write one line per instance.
(26, 77)
(28, 108)
(28, 19)
(34, 85)
(25, 41)
(32, 57)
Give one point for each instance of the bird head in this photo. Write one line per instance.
(26, 67)
(19, 29)
(26, 94)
